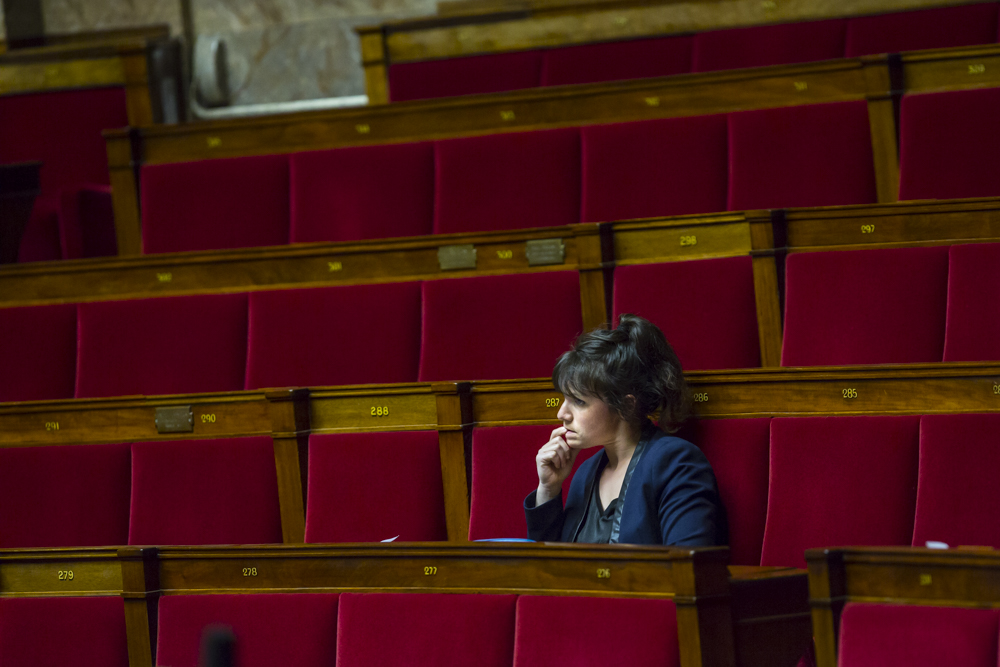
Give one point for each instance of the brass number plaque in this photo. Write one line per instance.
(380, 411)
(800, 86)
(701, 397)
(850, 392)
(249, 572)
(51, 426)
(552, 402)
(430, 571)
(335, 266)
(214, 142)
(164, 277)
(505, 254)
(507, 115)
(867, 229)
(603, 573)
(208, 419)
(363, 128)
(977, 69)
(688, 240)
(65, 575)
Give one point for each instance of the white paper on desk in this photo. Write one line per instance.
(391, 539)
(931, 544)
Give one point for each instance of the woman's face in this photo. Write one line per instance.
(588, 420)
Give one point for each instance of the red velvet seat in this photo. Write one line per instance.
(87, 222)
(616, 61)
(438, 630)
(508, 181)
(706, 308)
(196, 492)
(358, 334)
(882, 635)
(340, 195)
(42, 237)
(471, 75)
(957, 495)
(348, 504)
(215, 204)
(814, 155)
(63, 496)
(839, 481)
(738, 452)
(549, 633)
(942, 28)
(768, 45)
(58, 631)
(972, 332)
(38, 354)
(169, 345)
(880, 306)
(269, 629)
(939, 158)
(498, 327)
(503, 473)
(655, 167)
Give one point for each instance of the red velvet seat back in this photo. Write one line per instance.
(972, 332)
(549, 633)
(706, 308)
(503, 473)
(57, 631)
(957, 495)
(882, 635)
(269, 629)
(942, 28)
(42, 238)
(357, 334)
(880, 306)
(38, 354)
(341, 194)
(87, 223)
(215, 204)
(471, 75)
(221, 491)
(436, 630)
(64, 496)
(346, 503)
(169, 345)
(813, 155)
(938, 157)
(498, 327)
(768, 45)
(655, 167)
(738, 452)
(839, 481)
(508, 181)
(616, 61)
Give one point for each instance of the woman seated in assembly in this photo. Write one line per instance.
(646, 487)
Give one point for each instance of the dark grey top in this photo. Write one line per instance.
(598, 521)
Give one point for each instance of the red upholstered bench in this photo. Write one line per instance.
(759, 46)
(358, 334)
(269, 629)
(38, 354)
(940, 28)
(876, 635)
(64, 496)
(498, 327)
(938, 157)
(616, 61)
(436, 630)
(972, 332)
(706, 308)
(198, 492)
(89, 632)
(404, 499)
(473, 75)
(169, 345)
(838, 481)
(880, 306)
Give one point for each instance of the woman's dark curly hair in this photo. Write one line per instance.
(632, 360)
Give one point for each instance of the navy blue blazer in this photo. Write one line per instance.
(669, 498)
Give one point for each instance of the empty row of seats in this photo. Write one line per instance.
(703, 52)
(817, 155)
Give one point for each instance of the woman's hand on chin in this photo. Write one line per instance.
(554, 462)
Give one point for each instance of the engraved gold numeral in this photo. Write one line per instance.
(363, 128)
(621, 20)
(380, 411)
(65, 575)
(430, 571)
(51, 426)
(800, 85)
(701, 397)
(164, 277)
(603, 573)
(867, 229)
(335, 266)
(977, 69)
(505, 254)
(507, 115)
(249, 572)
(769, 5)
(214, 142)
(850, 392)
(652, 101)
(552, 402)
(690, 239)
(208, 419)
(925, 580)
(996, 389)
